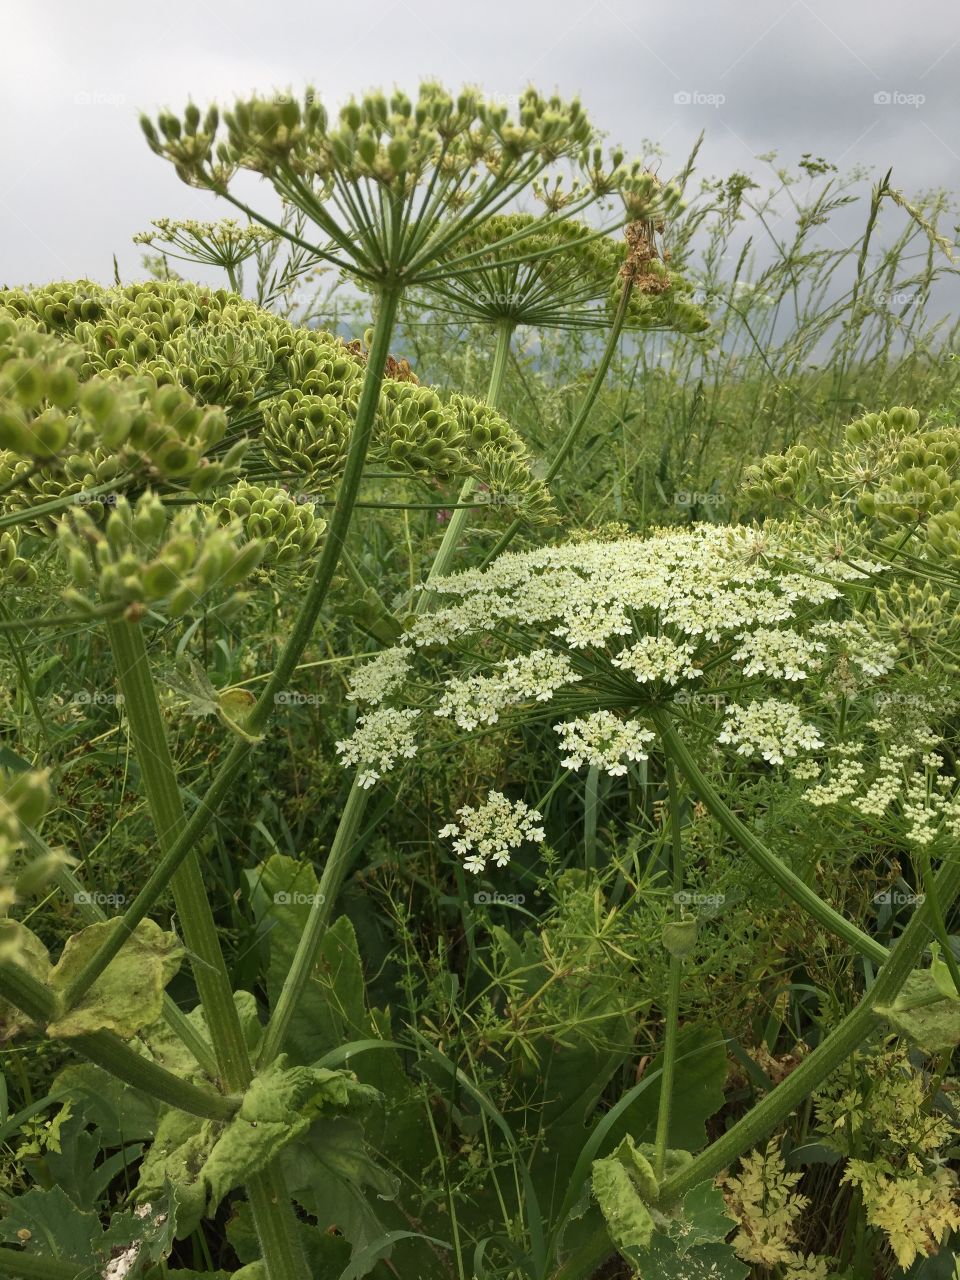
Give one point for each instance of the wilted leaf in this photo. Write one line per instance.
(128, 994)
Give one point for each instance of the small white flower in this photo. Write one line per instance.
(772, 729)
(604, 741)
(657, 658)
(492, 830)
(779, 652)
(476, 700)
(379, 740)
(381, 676)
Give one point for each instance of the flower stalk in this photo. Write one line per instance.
(778, 871)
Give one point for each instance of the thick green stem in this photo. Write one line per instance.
(341, 851)
(827, 1057)
(778, 871)
(194, 915)
(454, 531)
(596, 386)
(327, 563)
(280, 1245)
(107, 1050)
(673, 991)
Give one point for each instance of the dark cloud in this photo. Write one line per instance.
(792, 76)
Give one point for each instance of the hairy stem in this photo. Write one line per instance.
(107, 1050)
(829, 1054)
(340, 857)
(596, 385)
(271, 1205)
(673, 990)
(454, 531)
(228, 772)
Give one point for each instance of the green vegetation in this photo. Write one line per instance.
(479, 785)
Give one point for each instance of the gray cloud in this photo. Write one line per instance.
(761, 75)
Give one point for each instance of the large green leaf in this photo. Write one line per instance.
(334, 1176)
(205, 1160)
(23, 945)
(922, 1012)
(47, 1224)
(685, 1243)
(128, 994)
(332, 1009)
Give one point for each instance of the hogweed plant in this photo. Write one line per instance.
(174, 456)
(619, 645)
(122, 408)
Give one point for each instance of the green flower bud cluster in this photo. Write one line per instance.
(394, 183)
(140, 557)
(912, 617)
(224, 244)
(415, 431)
(39, 386)
(507, 484)
(522, 270)
(307, 434)
(289, 530)
(221, 348)
(781, 475)
(393, 141)
(14, 570)
(24, 799)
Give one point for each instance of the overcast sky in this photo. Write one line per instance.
(872, 82)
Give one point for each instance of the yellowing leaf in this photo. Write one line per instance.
(128, 994)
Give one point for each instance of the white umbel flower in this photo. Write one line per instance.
(381, 676)
(604, 741)
(655, 658)
(779, 652)
(492, 830)
(380, 739)
(476, 700)
(773, 729)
